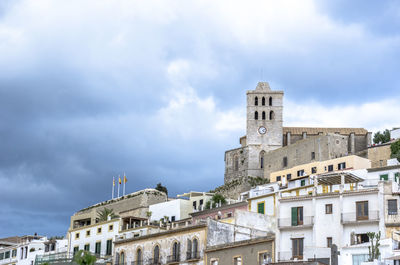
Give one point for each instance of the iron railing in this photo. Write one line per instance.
(173, 258)
(354, 218)
(288, 223)
(154, 261)
(192, 255)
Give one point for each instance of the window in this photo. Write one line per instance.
(289, 176)
(109, 247)
(97, 248)
(76, 235)
(256, 101)
(195, 248)
(139, 257)
(14, 253)
(262, 153)
(342, 166)
(46, 248)
(195, 205)
(328, 208)
(263, 115)
(1, 255)
(156, 255)
(302, 182)
(122, 258)
(7, 255)
(361, 238)
(297, 216)
(312, 155)
(329, 242)
(285, 161)
(396, 177)
(235, 163)
(201, 202)
(278, 178)
(264, 258)
(270, 101)
(86, 247)
(330, 168)
(313, 170)
(172, 218)
(214, 262)
(110, 227)
(228, 215)
(189, 249)
(99, 230)
(261, 207)
(300, 173)
(271, 115)
(237, 260)
(88, 233)
(256, 115)
(175, 251)
(362, 210)
(392, 207)
(384, 177)
(76, 249)
(263, 101)
(297, 248)
(52, 246)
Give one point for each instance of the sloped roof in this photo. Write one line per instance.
(316, 130)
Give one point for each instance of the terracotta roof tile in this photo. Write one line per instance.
(314, 130)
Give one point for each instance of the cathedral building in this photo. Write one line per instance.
(268, 146)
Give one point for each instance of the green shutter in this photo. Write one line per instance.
(294, 216)
(261, 208)
(384, 177)
(303, 182)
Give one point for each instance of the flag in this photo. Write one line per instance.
(119, 180)
(125, 179)
(113, 181)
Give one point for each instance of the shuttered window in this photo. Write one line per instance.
(261, 207)
(384, 177)
(392, 207)
(109, 247)
(98, 247)
(297, 216)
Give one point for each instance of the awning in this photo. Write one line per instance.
(336, 178)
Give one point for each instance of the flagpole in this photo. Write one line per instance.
(119, 184)
(124, 183)
(113, 188)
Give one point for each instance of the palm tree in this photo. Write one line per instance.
(84, 258)
(105, 213)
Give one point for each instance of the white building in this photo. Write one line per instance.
(175, 210)
(395, 133)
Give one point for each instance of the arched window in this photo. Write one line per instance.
(262, 153)
(139, 257)
(270, 101)
(263, 115)
(122, 258)
(236, 163)
(189, 249)
(156, 254)
(256, 115)
(256, 101)
(263, 101)
(175, 252)
(271, 115)
(195, 248)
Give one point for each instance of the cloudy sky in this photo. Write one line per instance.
(90, 89)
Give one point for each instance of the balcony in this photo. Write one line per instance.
(392, 219)
(154, 261)
(353, 218)
(173, 259)
(308, 253)
(286, 223)
(191, 256)
(137, 262)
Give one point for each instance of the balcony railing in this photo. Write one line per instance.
(173, 259)
(154, 261)
(192, 255)
(307, 253)
(348, 218)
(137, 262)
(288, 223)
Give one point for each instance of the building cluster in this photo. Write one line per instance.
(324, 191)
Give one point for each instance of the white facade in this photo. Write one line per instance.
(395, 133)
(86, 238)
(175, 210)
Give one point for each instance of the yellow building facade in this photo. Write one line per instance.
(320, 167)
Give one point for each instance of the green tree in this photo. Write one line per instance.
(162, 188)
(395, 150)
(382, 137)
(216, 200)
(105, 213)
(84, 258)
(373, 250)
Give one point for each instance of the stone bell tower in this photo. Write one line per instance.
(264, 125)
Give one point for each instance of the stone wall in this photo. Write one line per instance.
(136, 204)
(379, 155)
(233, 188)
(242, 156)
(325, 147)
